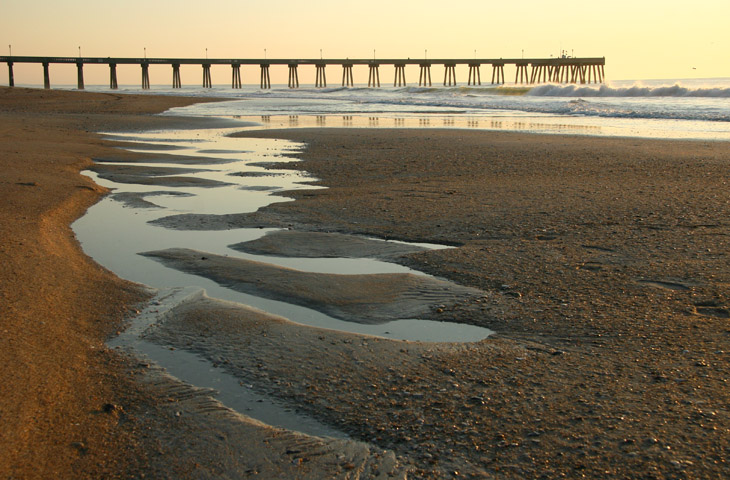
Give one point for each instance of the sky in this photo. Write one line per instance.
(639, 39)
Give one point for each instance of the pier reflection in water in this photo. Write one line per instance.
(533, 125)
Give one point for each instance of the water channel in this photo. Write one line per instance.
(230, 178)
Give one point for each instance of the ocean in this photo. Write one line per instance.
(670, 109)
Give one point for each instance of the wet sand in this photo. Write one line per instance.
(605, 267)
(602, 263)
(368, 299)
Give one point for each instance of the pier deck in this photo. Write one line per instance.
(527, 70)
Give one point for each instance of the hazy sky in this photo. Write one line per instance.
(640, 39)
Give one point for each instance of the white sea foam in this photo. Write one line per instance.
(675, 90)
(637, 108)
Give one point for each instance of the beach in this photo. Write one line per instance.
(602, 268)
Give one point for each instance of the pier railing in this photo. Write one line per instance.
(527, 70)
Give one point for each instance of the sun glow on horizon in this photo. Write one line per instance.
(639, 41)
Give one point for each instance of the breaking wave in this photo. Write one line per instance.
(675, 90)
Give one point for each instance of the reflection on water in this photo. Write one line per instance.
(415, 121)
(245, 186)
(113, 232)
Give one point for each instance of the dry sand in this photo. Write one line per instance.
(604, 271)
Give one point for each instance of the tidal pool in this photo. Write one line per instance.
(117, 230)
(204, 172)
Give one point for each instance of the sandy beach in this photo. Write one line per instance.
(601, 263)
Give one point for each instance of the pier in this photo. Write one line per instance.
(527, 71)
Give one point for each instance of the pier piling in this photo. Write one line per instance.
(521, 73)
(80, 75)
(46, 76)
(400, 75)
(207, 82)
(145, 76)
(265, 76)
(11, 78)
(321, 79)
(561, 74)
(449, 74)
(497, 73)
(537, 75)
(475, 77)
(293, 76)
(176, 82)
(113, 85)
(347, 80)
(374, 75)
(577, 72)
(235, 75)
(424, 78)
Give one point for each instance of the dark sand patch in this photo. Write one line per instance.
(229, 221)
(324, 245)
(148, 146)
(213, 151)
(368, 299)
(256, 174)
(168, 181)
(669, 284)
(138, 199)
(259, 188)
(278, 164)
(109, 170)
(162, 158)
(162, 176)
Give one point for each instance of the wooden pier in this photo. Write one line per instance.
(527, 71)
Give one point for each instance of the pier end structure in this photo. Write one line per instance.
(527, 71)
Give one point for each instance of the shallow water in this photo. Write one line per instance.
(114, 234)
(195, 370)
(116, 230)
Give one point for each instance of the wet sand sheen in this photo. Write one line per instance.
(370, 299)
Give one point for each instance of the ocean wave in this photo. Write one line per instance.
(465, 90)
(590, 108)
(675, 90)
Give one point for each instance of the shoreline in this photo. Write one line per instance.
(61, 384)
(559, 376)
